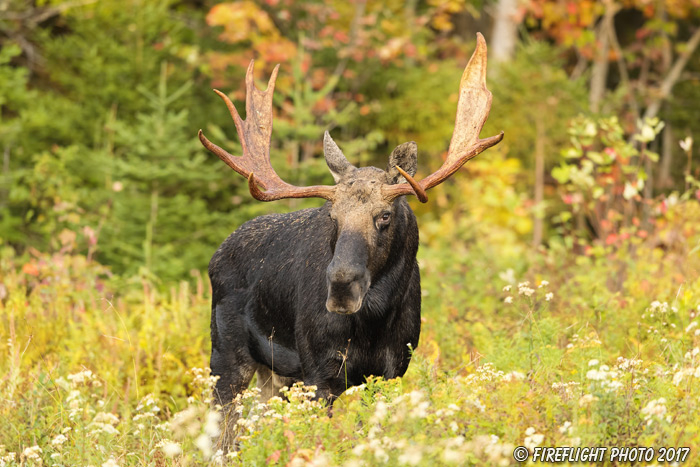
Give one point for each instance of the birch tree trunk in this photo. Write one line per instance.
(505, 31)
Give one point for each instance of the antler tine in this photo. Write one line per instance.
(473, 109)
(255, 134)
(234, 162)
(255, 97)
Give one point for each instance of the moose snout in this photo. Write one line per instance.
(347, 286)
(345, 274)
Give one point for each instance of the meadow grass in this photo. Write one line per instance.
(519, 347)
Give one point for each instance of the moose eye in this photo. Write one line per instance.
(383, 219)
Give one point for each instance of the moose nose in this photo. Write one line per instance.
(347, 286)
(345, 274)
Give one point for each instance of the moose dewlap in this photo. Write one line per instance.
(330, 295)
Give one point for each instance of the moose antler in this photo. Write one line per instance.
(255, 133)
(472, 111)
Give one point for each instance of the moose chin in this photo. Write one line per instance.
(330, 295)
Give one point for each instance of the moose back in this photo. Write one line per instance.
(330, 295)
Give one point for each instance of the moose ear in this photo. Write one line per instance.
(335, 159)
(405, 156)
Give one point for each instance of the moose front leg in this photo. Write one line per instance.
(327, 391)
(329, 375)
(230, 361)
(234, 378)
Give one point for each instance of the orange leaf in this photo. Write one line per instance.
(274, 457)
(31, 269)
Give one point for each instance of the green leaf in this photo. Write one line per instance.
(562, 174)
(596, 157)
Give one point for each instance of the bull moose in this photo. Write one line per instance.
(329, 295)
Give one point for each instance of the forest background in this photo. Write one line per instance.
(110, 210)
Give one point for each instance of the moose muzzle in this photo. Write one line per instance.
(347, 275)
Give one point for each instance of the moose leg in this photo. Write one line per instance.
(234, 376)
(231, 362)
(330, 384)
(270, 383)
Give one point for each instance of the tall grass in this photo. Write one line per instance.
(519, 347)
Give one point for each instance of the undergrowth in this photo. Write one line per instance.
(522, 347)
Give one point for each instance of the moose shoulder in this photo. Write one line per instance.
(330, 295)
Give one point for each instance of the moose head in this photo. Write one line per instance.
(364, 200)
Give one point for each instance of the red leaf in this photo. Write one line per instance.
(289, 435)
(274, 457)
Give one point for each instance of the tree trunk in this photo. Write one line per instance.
(673, 75)
(664, 179)
(600, 62)
(540, 134)
(505, 31)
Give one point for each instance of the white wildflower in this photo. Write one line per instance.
(218, 457)
(507, 276)
(565, 428)
(355, 389)
(566, 389)
(186, 421)
(679, 375)
(452, 456)
(105, 417)
(525, 289)
(421, 410)
(59, 440)
(32, 453)
(587, 399)
(513, 376)
(171, 449)
(626, 364)
(655, 409)
(380, 454)
(477, 404)
(686, 144)
(411, 456)
(380, 412)
(211, 425)
(81, 377)
(149, 403)
(532, 439)
(612, 386)
(203, 443)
